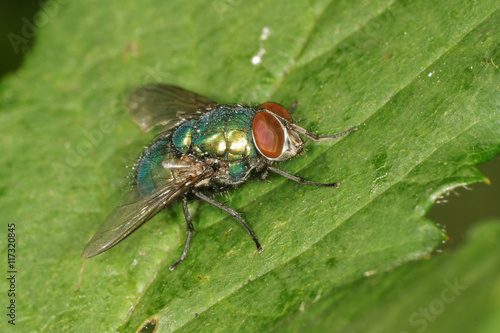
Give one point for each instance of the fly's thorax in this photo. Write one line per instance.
(223, 139)
(273, 134)
(223, 133)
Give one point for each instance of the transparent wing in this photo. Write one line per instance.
(158, 104)
(136, 209)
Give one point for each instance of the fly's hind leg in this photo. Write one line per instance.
(233, 213)
(190, 227)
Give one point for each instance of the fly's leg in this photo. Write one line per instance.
(190, 227)
(300, 180)
(233, 213)
(311, 135)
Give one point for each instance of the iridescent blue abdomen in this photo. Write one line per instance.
(150, 173)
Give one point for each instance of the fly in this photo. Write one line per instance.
(205, 149)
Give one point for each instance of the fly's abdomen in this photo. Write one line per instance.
(150, 171)
(181, 137)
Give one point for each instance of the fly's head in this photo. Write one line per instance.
(274, 134)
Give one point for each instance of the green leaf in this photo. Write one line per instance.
(419, 78)
(439, 295)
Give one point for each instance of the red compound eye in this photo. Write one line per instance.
(268, 134)
(277, 109)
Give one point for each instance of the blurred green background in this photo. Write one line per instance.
(455, 212)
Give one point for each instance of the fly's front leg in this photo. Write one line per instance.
(300, 180)
(293, 107)
(190, 227)
(233, 213)
(316, 137)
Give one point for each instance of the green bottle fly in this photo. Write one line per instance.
(209, 149)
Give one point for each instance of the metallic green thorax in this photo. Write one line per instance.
(222, 137)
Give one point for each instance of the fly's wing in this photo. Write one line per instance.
(137, 209)
(158, 104)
